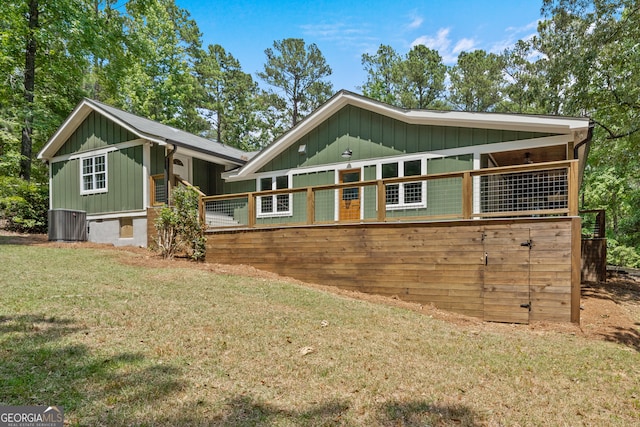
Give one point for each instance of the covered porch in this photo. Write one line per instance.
(501, 244)
(530, 190)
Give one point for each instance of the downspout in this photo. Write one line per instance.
(168, 171)
(582, 160)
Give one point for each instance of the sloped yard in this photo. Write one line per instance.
(119, 337)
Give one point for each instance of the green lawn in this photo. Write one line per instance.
(118, 344)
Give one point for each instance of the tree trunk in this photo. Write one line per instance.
(294, 101)
(220, 114)
(29, 85)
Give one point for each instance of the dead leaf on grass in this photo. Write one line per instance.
(306, 350)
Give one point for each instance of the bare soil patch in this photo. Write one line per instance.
(610, 311)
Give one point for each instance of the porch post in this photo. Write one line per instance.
(251, 210)
(467, 195)
(311, 206)
(573, 188)
(201, 210)
(382, 201)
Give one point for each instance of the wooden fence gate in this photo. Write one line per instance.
(507, 277)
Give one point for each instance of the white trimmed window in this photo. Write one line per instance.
(93, 174)
(277, 204)
(405, 194)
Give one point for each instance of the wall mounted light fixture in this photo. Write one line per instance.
(527, 158)
(346, 154)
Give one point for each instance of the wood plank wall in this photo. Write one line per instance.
(594, 260)
(429, 263)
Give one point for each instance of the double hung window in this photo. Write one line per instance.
(276, 204)
(405, 194)
(93, 175)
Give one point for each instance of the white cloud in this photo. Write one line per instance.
(340, 33)
(464, 45)
(442, 43)
(415, 23)
(513, 34)
(531, 26)
(329, 31)
(439, 42)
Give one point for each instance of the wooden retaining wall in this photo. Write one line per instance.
(500, 270)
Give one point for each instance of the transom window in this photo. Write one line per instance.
(278, 204)
(406, 193)
(93, 175)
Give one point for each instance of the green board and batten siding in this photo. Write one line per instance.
(207, 176)
(95, 132)
(157, 153)
(124, 184)
(370, 135)
(124, 170)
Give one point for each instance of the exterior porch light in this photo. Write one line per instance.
(527, 158)
(346, 154)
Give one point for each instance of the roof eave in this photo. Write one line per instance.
(76, 117)
(559, 125)
(207, 155)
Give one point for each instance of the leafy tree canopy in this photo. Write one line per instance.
(298, 72)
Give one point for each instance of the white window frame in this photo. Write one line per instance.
(273, 214)
(401, 193)
(93, 174)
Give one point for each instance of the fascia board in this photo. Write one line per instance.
(65, 130)
(514, 122)
(76, 118)
(205, 156)
(262, 158)
(127, 126)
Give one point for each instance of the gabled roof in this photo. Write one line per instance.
(515, 122)
(145, 129)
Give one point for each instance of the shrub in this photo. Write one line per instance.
(179, 226)
(621, 255)
(23, 205)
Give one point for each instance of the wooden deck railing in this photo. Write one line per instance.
(157, 190)
(542, 189)
(158, 193)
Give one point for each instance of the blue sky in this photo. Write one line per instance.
(344, 30)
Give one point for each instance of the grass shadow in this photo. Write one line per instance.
(629, 337)
(39, 366)
(423, 413)
(613, 290)
(244, 410)
(23, 239)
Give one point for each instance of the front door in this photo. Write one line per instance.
(349, 197)
(506, 275)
